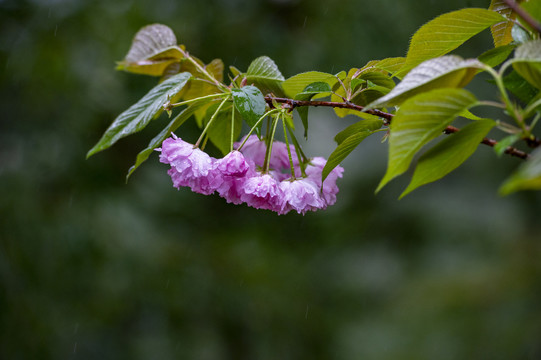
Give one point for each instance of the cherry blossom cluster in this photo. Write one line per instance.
(238, 177)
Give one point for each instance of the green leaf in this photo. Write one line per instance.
(447, 32)
(527, 177)
(469, 115)
(501, 32)
(153, 49)
(377, 78)
(141, 113)
(533, 106)
(307, 94)
(519, 87)
(448, 71)
(356, 83)
(250, 103)
(220, 130)
(527, 62)
(533, 7)
(370, 124)
(496, 56)
(502, 145)
(164, 134)
(449, 154)
(264, 74)
(299, 82)
(418, 121)
(391, 65)
(342, 151)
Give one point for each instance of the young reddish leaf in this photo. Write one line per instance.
(501, 32)
(153, 49)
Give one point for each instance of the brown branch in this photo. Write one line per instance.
(491, 142)
(342, 105)
(533, 142)
(292, 104)
(524, 15)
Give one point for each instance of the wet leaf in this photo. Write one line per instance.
(250, 103)
(153, 49)
(264, 74)
(141, 113)
(448, 71)
(420, 120)
(164, 134)
(449, 154)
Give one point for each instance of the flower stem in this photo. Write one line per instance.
(270, 112)
(204, 71)
(288, 149)
(196, 99)
(210, 121)
(232, 129)
(266, 164)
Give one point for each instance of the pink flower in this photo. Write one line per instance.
(262, 192)
(329, 188)
(301, 195)
(190, 162)
(256, 150)
(236, 176)
(190, 166)
(233, 164)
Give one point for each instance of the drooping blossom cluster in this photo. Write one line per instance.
(238, 177)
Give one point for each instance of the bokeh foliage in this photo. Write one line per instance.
(93, 268)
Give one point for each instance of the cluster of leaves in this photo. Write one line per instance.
(414, 99)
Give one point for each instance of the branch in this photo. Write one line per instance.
(491, 142)
(292, 104)
(524, 15)
(343, 105)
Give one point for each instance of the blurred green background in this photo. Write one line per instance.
(92, 268)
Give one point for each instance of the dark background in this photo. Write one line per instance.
(92, 268)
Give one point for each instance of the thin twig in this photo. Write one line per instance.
(491, 142)
(387, 116)
(524, 15)
(343, 105)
